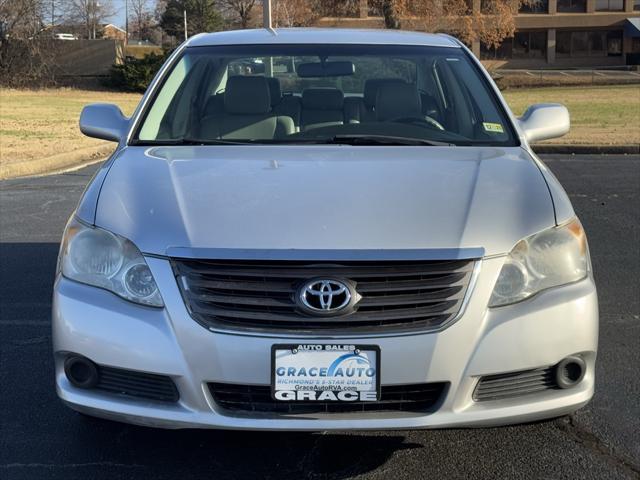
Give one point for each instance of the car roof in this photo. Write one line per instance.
(321, 36)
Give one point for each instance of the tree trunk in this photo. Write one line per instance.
(390, 13)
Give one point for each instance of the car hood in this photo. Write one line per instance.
(193, 199)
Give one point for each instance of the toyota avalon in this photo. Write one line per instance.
(324, 229)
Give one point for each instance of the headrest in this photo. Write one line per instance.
(398, 101)
(372, 85)
(322, 99)
(274, 90)
(247, 95)
(215, 104)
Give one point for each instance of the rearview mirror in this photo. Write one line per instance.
(104, 121)
(325, 69)
(544, 121)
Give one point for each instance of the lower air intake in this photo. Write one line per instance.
(137, 384)
(421, 398)
(515, 384)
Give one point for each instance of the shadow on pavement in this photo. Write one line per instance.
(25, 307)
(27, 272)
(229, 454)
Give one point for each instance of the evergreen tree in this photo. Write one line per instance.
(202, 16)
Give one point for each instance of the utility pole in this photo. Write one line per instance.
(53, 12)
(266, 9)
(94, 18)
(184, 12)
(126, 22)
(267, 20)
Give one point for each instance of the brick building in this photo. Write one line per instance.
(554, 34)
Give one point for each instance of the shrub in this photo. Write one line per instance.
(135, 74)
(28, 63)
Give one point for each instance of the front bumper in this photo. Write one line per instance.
(535, 333)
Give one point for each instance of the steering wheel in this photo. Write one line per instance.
(426, 120)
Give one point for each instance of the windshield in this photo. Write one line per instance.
(311, 94)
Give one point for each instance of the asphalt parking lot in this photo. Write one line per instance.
(40, 438)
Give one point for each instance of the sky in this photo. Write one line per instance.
(119, 18)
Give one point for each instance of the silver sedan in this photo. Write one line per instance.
(324, 229)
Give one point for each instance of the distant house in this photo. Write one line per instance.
(103, 31)
(111, 32)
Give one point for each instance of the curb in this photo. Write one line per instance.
(587, 149)
(57, 163)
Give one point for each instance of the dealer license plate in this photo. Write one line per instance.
(325, 373)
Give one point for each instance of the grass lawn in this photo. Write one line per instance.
(40, 124)
(608, 115)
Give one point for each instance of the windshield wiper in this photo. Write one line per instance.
(363, 139)
(366, 139)
(188, 141)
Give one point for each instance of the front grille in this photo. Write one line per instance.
(421, 398)
(396, 296)
(515, 384)
(137, 384)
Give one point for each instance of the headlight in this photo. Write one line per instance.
(556, 256)
(102, 259)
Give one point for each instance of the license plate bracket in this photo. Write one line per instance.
(325, 373)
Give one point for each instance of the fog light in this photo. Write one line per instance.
(81, 372)
(570, 371)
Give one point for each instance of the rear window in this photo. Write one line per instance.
(315, 93)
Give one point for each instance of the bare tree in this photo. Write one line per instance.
(52, 12)
(295, 13)
(142, 17)
(27, 49)
(90, 13)
(20, 18)
(491, 25)
(240, 10)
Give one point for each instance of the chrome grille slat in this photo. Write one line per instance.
(314, 326)
(409, 285)
(261, 295)
(221, 299)
(417, 298)
(241, 286)
(418, 312)
(319, 270)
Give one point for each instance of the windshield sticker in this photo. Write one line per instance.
(493, 127)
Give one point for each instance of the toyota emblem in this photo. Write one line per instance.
(324, 296)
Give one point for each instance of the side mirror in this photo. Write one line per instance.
(103, 120)
(544, 121)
